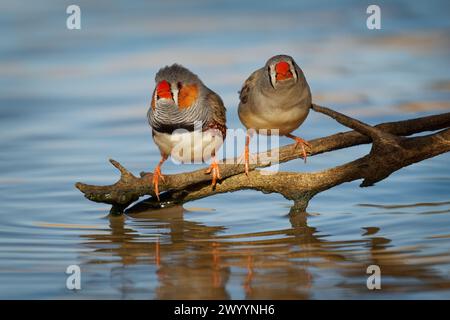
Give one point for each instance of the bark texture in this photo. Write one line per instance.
(391, 150)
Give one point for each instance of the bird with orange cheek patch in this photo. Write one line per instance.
(187, 120)
(276, 96)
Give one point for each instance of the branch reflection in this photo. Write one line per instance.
(189, 260)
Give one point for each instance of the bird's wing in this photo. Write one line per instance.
(217, 108)
(151, 108)
(217, 112)
(248, 86)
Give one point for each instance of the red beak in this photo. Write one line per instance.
(163, 90)
(283, 70)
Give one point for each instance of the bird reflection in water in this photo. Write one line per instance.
(189, 260)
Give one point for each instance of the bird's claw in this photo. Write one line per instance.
(302, 143)
(156, 176)
(215, 172)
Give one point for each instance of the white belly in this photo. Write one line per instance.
(283, 121)
(274, 120)
(189, 147)
(283, 113)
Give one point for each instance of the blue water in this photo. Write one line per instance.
(72, 99)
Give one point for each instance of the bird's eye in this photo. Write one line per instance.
(179, 85)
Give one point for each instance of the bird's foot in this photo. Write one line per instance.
(156, 176)
(215, 172)
(302, 143)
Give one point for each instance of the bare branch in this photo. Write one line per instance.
(390, 152)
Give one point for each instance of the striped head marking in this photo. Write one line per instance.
(183, 95)
(281, 69)
(176, 85)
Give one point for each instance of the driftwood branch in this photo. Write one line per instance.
(391, 150)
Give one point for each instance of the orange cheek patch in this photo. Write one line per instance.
(187, 96)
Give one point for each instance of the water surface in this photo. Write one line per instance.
(69, 100)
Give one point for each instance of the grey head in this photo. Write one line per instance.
(281, 72)
(177, 100)
(177, 76)
(176, 73)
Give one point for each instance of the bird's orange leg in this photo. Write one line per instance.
(246, 153)
(157, 253)
(157, 175)
(248, 279)
(300, 142)
(246, 156)
(214, 171)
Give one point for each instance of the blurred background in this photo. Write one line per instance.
(72, 99)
